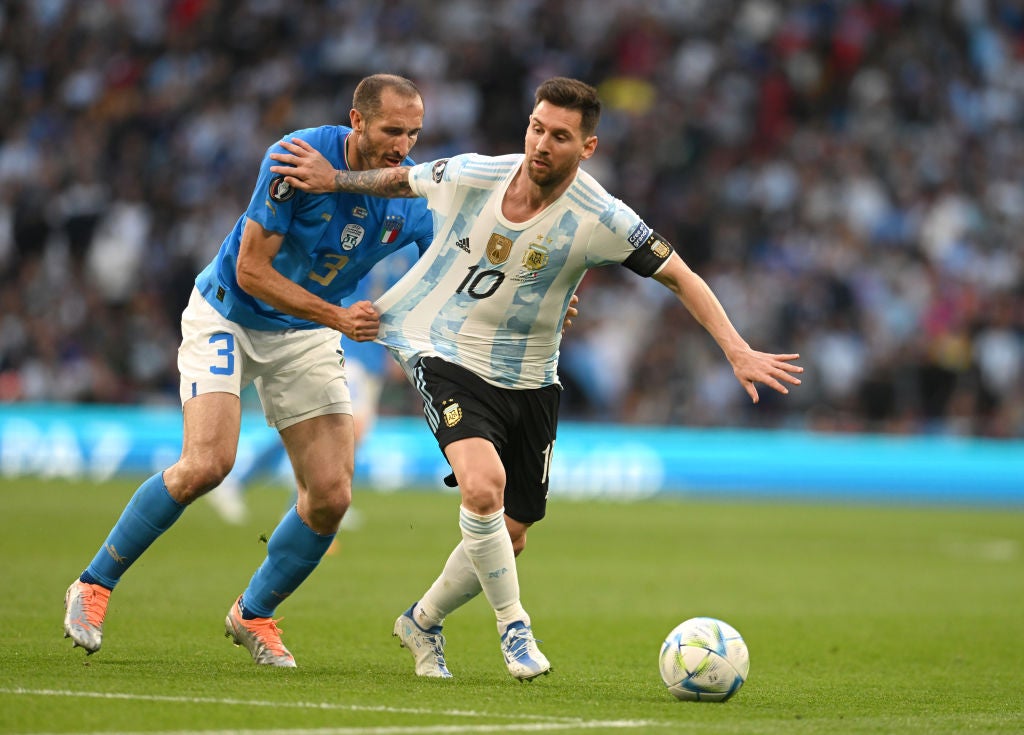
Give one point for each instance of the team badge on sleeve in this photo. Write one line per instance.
(661, 249)
(393, 224)
(437, 170)
(280, 190)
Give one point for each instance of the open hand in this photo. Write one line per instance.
(304, 167)
(772, 370)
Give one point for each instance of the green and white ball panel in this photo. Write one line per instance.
(704, 659)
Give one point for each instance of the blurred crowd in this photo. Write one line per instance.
(847, 175)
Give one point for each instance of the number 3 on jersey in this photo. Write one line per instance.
(334, 263)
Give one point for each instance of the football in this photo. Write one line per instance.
(704, 660)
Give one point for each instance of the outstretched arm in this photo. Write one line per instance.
(305, 168)
(749, 365)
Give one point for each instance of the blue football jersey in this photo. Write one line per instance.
(331, 241)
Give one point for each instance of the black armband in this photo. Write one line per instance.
(648, 257)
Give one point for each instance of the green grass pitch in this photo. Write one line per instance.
(858, 619)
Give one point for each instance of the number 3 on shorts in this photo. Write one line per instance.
(227, 352)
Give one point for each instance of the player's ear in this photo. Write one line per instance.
(355, 120)
(589, 146)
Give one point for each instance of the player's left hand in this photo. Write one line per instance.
(761, 367)
(304, 167)
(571, 313)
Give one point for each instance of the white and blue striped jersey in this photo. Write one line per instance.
(490, 295)
(384, 275)
(331, 241)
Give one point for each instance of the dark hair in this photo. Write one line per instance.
(366, 98)
(572, 94)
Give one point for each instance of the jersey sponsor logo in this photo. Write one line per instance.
(393, 224)
(536, 257)
(452, 415)
(360, 212)
(499, 248)
(280, 190)
(437, 171)
(639, 234)
(463, 244)
(351, 236)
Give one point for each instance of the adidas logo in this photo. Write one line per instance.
(463, 244)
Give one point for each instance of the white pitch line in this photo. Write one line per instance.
(266, 703)
(399, 730)
(543, 722)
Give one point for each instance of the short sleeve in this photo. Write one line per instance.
(273, 201)
(436, 182)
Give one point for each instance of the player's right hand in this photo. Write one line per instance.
(359, 322)
(304, 167)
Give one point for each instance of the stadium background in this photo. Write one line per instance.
(846, 175)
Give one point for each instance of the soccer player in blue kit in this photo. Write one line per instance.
(366, 367)
(267, 311)
(476, 325)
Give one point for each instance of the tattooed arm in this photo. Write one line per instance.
(307, 170)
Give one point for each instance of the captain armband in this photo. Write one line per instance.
(649, 256)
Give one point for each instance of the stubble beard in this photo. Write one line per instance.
(547, 178)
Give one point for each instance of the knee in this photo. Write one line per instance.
(190, 479)
(322, 508)
(482, 491)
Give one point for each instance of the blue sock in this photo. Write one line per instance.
(293, 552)
(149, 513)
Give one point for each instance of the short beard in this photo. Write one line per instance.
(544, 179)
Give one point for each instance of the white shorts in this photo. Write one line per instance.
(298, 373)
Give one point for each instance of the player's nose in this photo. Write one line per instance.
(402, 146)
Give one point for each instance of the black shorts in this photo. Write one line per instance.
(521, 424)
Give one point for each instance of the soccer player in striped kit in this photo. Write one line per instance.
(477, 324)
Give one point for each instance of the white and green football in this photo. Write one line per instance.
(704, 660)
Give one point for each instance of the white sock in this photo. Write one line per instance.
(457, 585)
(489, 548)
